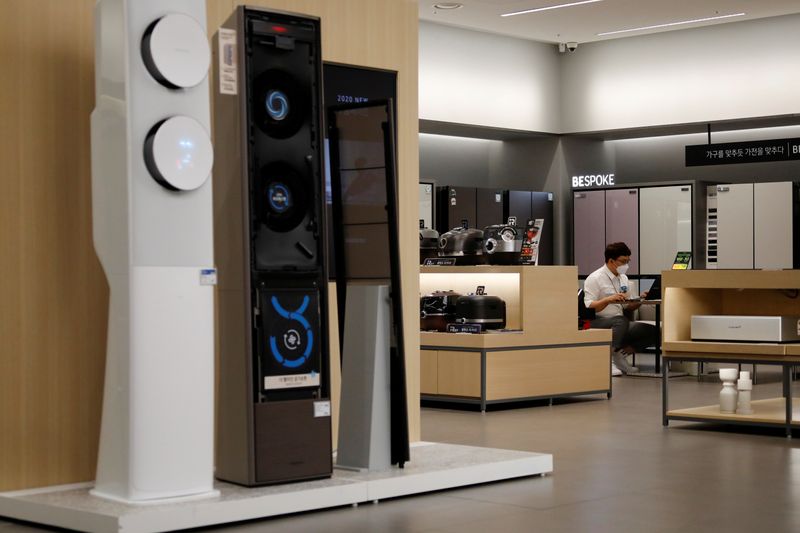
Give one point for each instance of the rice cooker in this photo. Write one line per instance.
(428, 244)
(466, 244)
(488, 311)
(437, 309)
(502, 244)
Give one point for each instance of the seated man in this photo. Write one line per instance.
(606, 291)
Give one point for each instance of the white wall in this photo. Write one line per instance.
(469, 77)
(655, 159)
(727, 71)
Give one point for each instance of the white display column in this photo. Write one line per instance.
(152, 209)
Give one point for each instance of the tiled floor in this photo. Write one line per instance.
(616, 469)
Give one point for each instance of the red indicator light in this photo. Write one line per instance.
(279, 29)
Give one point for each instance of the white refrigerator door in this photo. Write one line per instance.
(665, 226)
(735, 226)
(622, 221)
(426, 204)
(772, 204)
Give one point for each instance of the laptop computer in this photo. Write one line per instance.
(654, 292)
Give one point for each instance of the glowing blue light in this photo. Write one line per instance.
(277, 105)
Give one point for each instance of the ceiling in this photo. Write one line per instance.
(582, 23)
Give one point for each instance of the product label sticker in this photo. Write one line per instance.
(228, 74)
(498, 198)
(549, 197)
(440, 261)
(291, 381)
(322, 409)
(452, 201)
(208, 276)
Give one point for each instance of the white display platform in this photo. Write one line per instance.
(432, 467)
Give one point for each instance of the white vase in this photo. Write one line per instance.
(728, 397)
(745, 386)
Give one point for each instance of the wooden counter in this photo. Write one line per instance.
(548, 357)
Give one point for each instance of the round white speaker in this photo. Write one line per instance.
(175, 51)
(178, 153)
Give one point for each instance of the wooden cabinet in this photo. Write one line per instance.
(428, 372)
(546, 357)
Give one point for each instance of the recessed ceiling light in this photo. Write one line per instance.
(668, 24)
(548, 8)
(448, 5)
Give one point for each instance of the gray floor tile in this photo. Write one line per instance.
(616, 469)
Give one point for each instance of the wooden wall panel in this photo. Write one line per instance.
(53, 293)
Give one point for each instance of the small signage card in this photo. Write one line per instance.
(682, 260)
(743, 152)
(464, 328)
(440, 261)
(529, 255)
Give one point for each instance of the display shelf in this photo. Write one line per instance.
(769, 411)
(730, 292)
(508, 339)
(793, 350)
(731, 279)
(478, 269)
(726, 292)
(548, 357)
(745, 348)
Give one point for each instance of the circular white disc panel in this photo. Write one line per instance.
(181, 153)
(178, 50)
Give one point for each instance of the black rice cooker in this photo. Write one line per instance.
(428, 244)
(437, 309)
(502, 244)
(488, 311)
(465, 244)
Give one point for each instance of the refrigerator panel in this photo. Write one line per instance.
(589, 230)
(665, 226)
(773, 206)
(456, 204)
(622, 221)
(735, 226)
(518, 204)
(542, 207)
(489, 207)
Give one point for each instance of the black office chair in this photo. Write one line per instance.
(585, 314)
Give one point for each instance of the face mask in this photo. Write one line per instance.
(622, 269)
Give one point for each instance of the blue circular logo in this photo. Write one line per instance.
(291, 338)
(277, 105)
(280, 200)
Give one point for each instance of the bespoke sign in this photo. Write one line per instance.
(592, 180)
(743, 152)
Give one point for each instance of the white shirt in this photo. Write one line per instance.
(601, 283)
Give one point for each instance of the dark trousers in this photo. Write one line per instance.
(625, 332)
